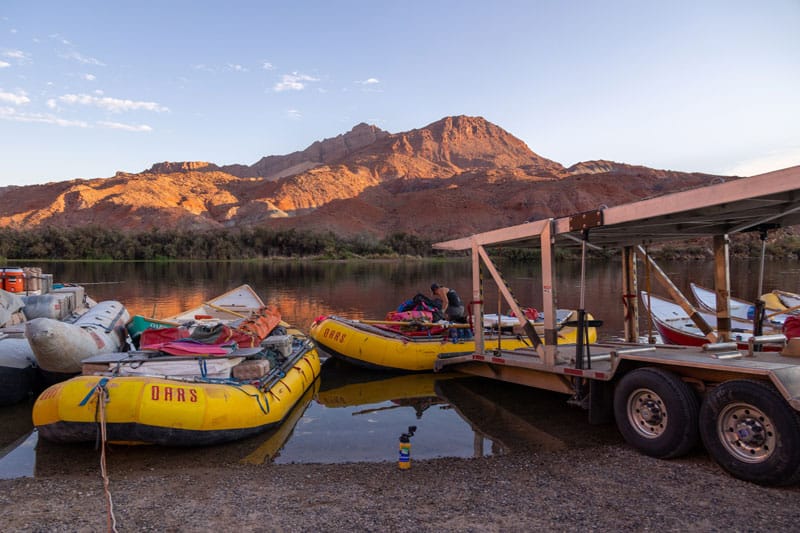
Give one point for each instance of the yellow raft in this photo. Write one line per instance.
(186, 411)
(367, 345)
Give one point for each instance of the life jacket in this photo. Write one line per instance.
(791, 327)
(422, 303)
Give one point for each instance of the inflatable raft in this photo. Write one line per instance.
(139, 397)
(61, 346)
(381, 347)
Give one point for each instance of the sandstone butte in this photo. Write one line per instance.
(454, 177)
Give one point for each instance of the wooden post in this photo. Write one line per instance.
(722, 286)
(477, 297)
(630, 295)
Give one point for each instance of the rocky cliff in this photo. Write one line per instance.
(453, 177)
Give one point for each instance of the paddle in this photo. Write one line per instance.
(224, 310)
(413, 323)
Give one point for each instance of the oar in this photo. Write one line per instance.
(218, 308)
(411, 323)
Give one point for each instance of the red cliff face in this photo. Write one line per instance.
(457, 176)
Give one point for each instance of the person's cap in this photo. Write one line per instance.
(434, 286)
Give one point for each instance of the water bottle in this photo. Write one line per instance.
(404, 461)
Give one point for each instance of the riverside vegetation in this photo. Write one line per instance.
(99, 243)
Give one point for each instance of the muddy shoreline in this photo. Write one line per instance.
(606, 488)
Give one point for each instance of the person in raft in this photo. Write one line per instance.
(452, 306)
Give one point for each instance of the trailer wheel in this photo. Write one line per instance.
(656, 412)
(750, 431)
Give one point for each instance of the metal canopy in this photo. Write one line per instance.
(764, 201)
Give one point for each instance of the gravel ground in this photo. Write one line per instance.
(605, 488)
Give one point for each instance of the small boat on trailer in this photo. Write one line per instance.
(190, 400)
(676, 326)
(774, 317)
(415, 347)
(789, 300)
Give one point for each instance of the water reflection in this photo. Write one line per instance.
(358, 415)
(354, 415)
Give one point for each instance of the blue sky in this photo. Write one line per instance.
(93, 87)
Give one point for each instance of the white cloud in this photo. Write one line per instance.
(8, 113)
(89, 77)
(775, 160)
(4, 64)
(236, 67)
(115, 105)
(58, 37)
(80, 58)
(293, 82)
(203, 68)
(17, 55)
(369, 81)
(266, 65)
(18, 98)
(126, 127)
(294, 114)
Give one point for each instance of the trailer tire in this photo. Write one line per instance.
(657, 412)
(752, 432)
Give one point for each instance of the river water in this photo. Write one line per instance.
(354, 415)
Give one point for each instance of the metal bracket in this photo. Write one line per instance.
(586, 220)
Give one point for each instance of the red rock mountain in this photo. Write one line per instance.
(457, 176)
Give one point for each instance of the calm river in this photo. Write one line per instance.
(354, 415)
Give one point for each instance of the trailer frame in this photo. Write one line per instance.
(743, 404)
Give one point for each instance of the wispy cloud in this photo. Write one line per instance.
(59, 38)
(4, 64)
(369, 81)
(80, 58)
(236, 68)
(294, 114)
(294, 82)
(11, 114)
(17, 55)
(125, 127)
(8, 113)
(115, 105)
(266, 65)
(89, 77)
(18, 98)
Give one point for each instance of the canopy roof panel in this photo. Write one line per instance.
(759, 202)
